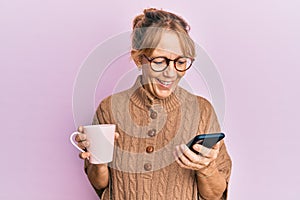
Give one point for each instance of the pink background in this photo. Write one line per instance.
(255, 46)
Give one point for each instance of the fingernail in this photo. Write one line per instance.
(196, 147)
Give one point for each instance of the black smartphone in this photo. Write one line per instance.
(207, 140)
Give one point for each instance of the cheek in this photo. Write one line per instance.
(149, 74)
(180, 74)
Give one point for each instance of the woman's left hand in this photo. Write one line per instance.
(190, 160)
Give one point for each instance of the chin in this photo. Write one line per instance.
(162, 95)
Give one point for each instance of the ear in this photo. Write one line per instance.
(136, 58)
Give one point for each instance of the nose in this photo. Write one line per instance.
(170, 71)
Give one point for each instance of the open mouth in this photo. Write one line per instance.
(166, 84)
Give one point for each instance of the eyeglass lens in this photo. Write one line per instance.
(160, 63)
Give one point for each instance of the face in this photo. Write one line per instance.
(162, 84)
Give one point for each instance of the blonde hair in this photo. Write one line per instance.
(149, 27)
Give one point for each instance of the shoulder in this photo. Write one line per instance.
(201, 105)
(106, 108)
(204, 104)
(106, 103)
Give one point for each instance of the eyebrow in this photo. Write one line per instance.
(161, 56)
(161, 51)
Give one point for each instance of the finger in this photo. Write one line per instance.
(179, 161)
(193, 157)
(84, 155)
(204, 151)
(207, 155)
(80, 129)
(117, 135)
(184, 157)
(80, 137)
(184, 162)
(215, 150)
(84, 144)
(177, 152)
(196, 160)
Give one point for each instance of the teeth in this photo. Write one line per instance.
(165, 82)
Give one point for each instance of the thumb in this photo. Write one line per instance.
(84, 155)
(197, 147)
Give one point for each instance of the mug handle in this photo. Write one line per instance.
(72, 141)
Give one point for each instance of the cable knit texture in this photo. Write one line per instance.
(143, 166)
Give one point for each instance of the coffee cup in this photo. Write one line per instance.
(101, 139)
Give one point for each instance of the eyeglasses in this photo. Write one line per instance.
(160, 63)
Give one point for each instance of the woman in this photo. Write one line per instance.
(155, 119)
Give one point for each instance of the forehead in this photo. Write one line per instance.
(169, 45)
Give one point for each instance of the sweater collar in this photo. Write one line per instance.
(145, 100)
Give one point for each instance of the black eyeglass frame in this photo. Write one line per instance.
(168, 62)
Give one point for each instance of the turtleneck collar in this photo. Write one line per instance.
(145, 100)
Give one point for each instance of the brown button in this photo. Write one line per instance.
(153, 114)
(149, 149)
(147, 166)
(152, 132)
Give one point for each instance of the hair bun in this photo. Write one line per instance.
(152, 14)
(160, 18)
(137, 20)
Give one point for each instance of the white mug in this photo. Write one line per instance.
(101, 139)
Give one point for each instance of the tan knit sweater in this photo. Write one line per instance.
(143, 166)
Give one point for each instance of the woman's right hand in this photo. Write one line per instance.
(83, 143)
(98, 174)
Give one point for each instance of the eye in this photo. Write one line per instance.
(181, 61)
(159, 61)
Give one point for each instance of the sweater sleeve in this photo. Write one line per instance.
(209, 124)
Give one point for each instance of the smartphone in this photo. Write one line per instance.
(207, 140)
